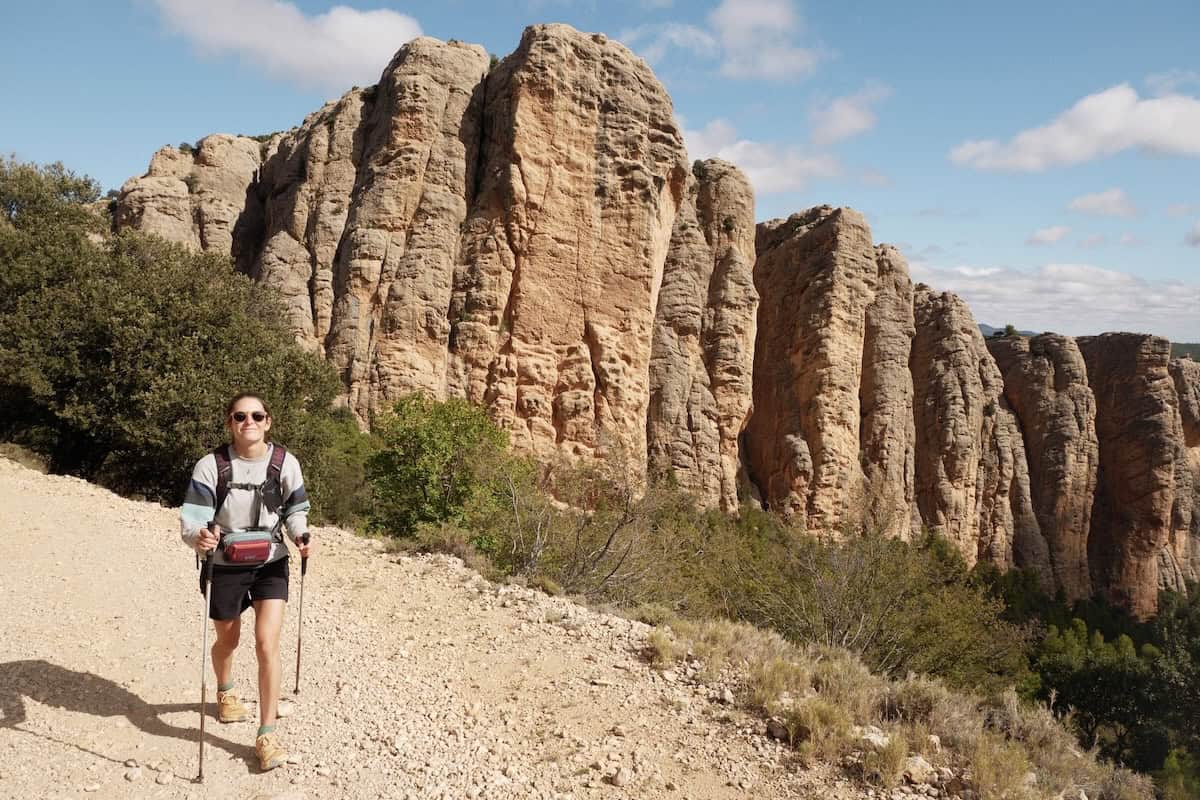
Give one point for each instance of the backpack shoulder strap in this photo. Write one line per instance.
(224, 475)
(275, 468)
(272, 488)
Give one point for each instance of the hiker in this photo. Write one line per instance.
(248, 490)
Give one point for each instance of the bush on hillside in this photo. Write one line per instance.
(430, 459)
(118, 353)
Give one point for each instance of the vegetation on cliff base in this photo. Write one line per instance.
(118, 353)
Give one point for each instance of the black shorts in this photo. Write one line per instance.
(235, 588)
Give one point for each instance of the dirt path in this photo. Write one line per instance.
(420, 679)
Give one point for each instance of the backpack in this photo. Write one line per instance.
(253, 544)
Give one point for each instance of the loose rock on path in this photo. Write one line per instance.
(419, 678)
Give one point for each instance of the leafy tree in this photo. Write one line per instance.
(430, 461)
(117, 353)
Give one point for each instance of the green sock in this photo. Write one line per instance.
(224, 687)
(264, 729)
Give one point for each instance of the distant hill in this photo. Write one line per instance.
(988, 330)
(1179, 350)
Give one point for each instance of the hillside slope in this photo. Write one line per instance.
(420, 679)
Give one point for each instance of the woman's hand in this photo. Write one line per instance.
(306, 545)
(209, 537)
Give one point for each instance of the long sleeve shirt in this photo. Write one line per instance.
(235, 514)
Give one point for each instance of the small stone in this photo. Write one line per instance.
(622, 777)
(134, 774)
(295, 758)
(285, 708)
(324, 772)
(727, 697)
(164, 778)
(92, 787)
(776, 729)
(131, 762)
(669, 675)
(935, 743)
(619, 730)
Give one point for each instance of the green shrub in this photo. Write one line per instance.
(998, 769)
(116, 359)
(429, 462)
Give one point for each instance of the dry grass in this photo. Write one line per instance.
(821, 693)
(998, 769)
(885, 766)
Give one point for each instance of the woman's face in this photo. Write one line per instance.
(242, 424)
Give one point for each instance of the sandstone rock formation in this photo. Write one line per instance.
(972, 482)
(193, 198)
(528, 235)
(887, 435)
(562, 254)
(816, 275)
(704, 327)
(1046, 384)
(1138, 428)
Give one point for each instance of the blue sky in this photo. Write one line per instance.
(1040, 159)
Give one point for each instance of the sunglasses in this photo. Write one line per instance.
(240, 416)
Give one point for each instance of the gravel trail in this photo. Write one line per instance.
(420, 679)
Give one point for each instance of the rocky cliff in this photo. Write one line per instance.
(529, 235)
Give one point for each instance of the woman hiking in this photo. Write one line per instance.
(239, 498)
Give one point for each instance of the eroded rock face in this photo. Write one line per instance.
(193, 198)
(1138, 428)
(563, 250)
(972, 482)
(529, 236)
(887, 435)
(816, 275)
(1046, 384)
(1184, 562)
(394, 270)
(702, 351)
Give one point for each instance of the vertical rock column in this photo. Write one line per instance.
(562, 255)
(1185, 515)
(702, 353)
(305, 192)
(972, 480)
(1046, 384)
(1138, 428)
(395, 266)
(815, 275)
(887, 436)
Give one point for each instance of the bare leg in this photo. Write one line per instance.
(268, 623)
(229, 632)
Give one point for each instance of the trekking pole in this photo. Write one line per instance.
(300, 629)
(208, 560)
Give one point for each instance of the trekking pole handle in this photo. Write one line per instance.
(303, 559)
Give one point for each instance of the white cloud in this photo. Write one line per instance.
(652, 41)
(847, 116)
(1182, 209)
(1074, 299)
(1049, 235)
(1171, 81)
(333, 50)
(1097, 126)
(1193, 236)
(1095, 240)
(757, 40)
(769, 166)
(752, 38)
(1109, 203)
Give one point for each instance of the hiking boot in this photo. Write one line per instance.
(230, 708)
(270, 753)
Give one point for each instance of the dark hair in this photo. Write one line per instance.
(243, 396)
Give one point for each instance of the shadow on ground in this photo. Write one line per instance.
(52, 685)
